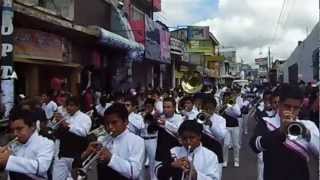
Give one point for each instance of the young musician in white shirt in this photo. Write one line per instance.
(285, 155)
(191, 160)
(136, 123)
(122, 154)
(72, 133)
(31, 155)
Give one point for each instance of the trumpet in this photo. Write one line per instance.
(12, 142)
(86, 166)
(297, 131)
(203, 118)
(188, 176)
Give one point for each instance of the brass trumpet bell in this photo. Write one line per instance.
(192, 82)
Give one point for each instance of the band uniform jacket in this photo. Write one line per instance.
(31, 160)
(284, 159)
(212, 137)
(128, 154)
(136, 123)
(73, 142)
(204, 161)
(167, 137)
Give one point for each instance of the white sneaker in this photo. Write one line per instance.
(225, 164)
(236, 164)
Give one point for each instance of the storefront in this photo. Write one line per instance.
(39, 57)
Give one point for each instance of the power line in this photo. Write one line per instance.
(284, 4)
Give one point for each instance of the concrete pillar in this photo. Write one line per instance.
(173, 69)
(74, 81)
(32, 80)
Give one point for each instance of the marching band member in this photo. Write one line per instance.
(264, 109)
(286, 158)
(150, 134)
(48, 105)
(158, 102)
(190, 159)
(231, 114)
(136, 123)
(30, 158)
(189, 112)
(72, 133)
(122, 155)
(102, 106)
(214, 131)
(169, 124)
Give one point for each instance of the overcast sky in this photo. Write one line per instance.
(247, 25)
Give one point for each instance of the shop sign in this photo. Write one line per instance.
(177, 47)
(198, 32)
(261, 61)
(34, 44)
(204, 46)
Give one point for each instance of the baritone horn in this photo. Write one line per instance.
(192, 82)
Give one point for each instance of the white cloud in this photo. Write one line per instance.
(249, 25)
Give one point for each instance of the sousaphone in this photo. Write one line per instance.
(192, 82)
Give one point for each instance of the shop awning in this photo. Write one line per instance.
(109, 39)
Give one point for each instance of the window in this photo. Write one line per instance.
(136, 14)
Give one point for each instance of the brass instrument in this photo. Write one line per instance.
(12, 142)
(86, 165)
(203, 118)
(192, 82)
(297, 131)
(188, 176)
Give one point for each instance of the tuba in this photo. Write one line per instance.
(192, 82)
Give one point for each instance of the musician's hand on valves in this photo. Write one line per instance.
(93, 148)
(64, 124)
(161, 122)
(4, 156)
(105, 155)
(288, 117)
(182, 164)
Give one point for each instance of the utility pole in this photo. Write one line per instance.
(269, 60)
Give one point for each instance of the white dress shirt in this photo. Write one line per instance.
(204, 161)
(191, 115)
(128, 154)
(173, 123)
(32, 158)
(79, 123)
(100, 109)
(49, 109)
(218, 128)
(234, 111)
(136, 123)
(159, 106)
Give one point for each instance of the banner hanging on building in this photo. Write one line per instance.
(152, 42)
(165, 45)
